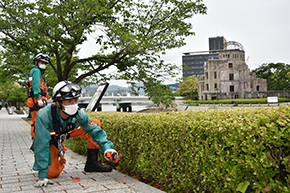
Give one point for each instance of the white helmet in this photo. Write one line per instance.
(42, 57)
(65, 90)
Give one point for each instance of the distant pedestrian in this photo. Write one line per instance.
(0, 105)
(6, 105)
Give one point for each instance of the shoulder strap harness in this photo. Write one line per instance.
(56, 123)
(57, 139)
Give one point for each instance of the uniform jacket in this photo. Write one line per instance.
(44, 124)
(38, 85)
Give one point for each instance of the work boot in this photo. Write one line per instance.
(32, 145)
(93, 164)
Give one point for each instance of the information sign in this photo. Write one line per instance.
(97, 97)
(272, 99)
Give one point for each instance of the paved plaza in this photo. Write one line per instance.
(16, 174)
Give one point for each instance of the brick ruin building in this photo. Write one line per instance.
(229, 77)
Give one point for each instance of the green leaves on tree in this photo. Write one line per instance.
(130, 36)
(277, 75)
(189, 87)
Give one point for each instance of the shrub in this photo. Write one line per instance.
(225, 150)
(237, 101)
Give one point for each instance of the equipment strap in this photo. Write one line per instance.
(60, 133)
(56, 123)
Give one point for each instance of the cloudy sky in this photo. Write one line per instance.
(261, 26)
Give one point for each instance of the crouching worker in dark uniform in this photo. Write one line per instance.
(59, 121)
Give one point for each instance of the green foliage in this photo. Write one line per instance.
(277, 75)
(193, 104)
(201, 78)
(243, 186)
(51, 78)
(130, 37)
(189, 87)
(159, 93)
(12, 92)
(17, 94)
(231, 150)
(78, 145)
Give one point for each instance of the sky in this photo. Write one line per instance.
(261, 26)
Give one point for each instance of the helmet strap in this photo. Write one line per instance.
(60, 107)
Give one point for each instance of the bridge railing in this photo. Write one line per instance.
(123, 103)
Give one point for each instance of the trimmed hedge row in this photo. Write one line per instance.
(236, 101)
(226, 150)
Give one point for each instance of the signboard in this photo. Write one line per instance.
(97, 97)
(272, 99)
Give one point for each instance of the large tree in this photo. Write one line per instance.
(130, 34)
(188, 87)
(276, 75)
(12, 92)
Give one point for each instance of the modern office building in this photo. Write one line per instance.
(217, 43)
(193, 62)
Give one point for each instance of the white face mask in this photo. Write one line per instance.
(42, 66)
(71, 109)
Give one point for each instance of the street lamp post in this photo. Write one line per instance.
(217, 92)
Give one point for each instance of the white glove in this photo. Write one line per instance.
(111, 154)
(40, 103)
(43, 182)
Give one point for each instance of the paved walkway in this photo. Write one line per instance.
(16, 174)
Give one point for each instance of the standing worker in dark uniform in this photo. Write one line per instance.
(36, 89)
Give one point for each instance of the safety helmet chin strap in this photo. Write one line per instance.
(60, 107)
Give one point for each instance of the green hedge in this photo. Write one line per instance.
(236, 101)
(226, 150)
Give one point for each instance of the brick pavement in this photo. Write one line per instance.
(16, 174)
